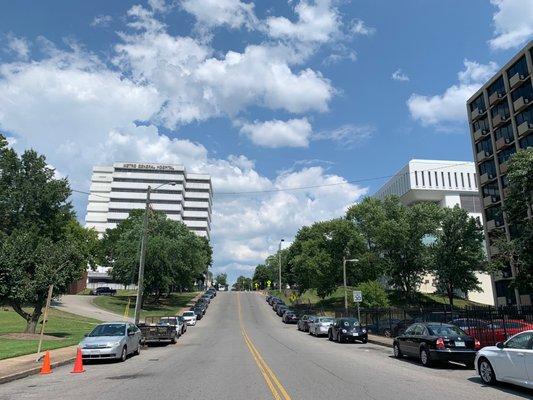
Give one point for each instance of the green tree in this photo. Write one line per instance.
(316, 255)
(374, 295)
(41, 243)
(175, 256)
(396, 239)
(222, 279)
(243, 283)
(518, 209)
(457, 253)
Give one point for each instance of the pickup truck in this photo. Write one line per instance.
(153, 330)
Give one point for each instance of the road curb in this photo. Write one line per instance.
(32, 371)
(380, 343)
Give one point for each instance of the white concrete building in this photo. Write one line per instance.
(446, 183)
(116, 190)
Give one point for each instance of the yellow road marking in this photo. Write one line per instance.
(273, 383)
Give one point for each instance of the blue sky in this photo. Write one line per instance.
(263, 96)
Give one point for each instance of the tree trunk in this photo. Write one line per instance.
(450, 295)
(31, 319)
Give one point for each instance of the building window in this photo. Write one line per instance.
(450, 180)
(526, 116)
(520, 67)
(478, 103)
(525, 91)
(484, 146)
(505, 132)
(526, 142)
(487, 167)
(505, 154)
(481, 125)
(455, 176)
(468, 178)
(497, 87)
(501, 109)
(462, 180)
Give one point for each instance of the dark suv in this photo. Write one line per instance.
(104, 291)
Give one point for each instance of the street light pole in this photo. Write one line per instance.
(140, 278)
(279, 264)
(344, 261)
(144, 239)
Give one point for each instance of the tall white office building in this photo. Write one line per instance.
(446, 183)
(116, 190)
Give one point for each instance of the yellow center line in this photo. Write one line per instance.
(273, 383)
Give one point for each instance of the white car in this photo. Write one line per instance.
(189, 317)
(511, 361)
(320, 325)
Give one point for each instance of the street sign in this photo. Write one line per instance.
(357, 296)
(293, 297)
(268, 284)
(256, 285)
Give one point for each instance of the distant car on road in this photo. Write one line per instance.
(320, 325)
(111, 340)
(432, 342)
(510, 362)
(189, 317)
(104, 291)
(347, 330)
(289, 317)
(303, 323)
(174, 321)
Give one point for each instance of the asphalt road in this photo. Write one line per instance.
(241, 350)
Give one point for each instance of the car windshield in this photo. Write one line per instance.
(325, 319)
(188, 314)
(108, 330)
(350, 322)
(445, 330)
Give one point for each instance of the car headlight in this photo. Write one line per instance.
(364, 330)
(113, 344)
(344, 331)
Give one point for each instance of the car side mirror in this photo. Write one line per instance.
(131, 333)
(500, 345)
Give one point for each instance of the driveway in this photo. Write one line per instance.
(83, 305)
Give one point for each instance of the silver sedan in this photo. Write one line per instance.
(320, 325)
(111, 340)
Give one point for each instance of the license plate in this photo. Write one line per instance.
(355, 334)
(92, 351)
(459, 344)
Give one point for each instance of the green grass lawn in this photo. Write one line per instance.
(69, 327)
(166, 306)
(336, 299)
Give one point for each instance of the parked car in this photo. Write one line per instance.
(111, 340)
(267, 298)
(320, 325)
(347, 329)
(104, 291)
(303, 323)
(290, 317)
(432, 342)
(276, 304)
(175, 322)
(199, 311)
(206, 298)
(503, 329)
(200, 305)
(189, 317)
(281, 309)
(183, 324)
(511, 361)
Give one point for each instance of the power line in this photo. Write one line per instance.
(288, 189)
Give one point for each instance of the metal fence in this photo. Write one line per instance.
(487, 324)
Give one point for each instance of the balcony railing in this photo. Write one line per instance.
(516, 79)
(489, 200)
(482, 155)
(520, 103)
(480, 133)
(503, 142)
(477, 112)
(487, 176)
(525, 128)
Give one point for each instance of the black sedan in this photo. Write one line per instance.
(199, 312)
(347, 329)
(433, 342)
(281, 309)
(290, 317)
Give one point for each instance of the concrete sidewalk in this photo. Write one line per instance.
(380, 340)
(23, 366)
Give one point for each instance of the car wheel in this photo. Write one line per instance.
(138, 351)
(330, 336)
(425, 358)
(174, 340)
(124, 354)
(486, 372)
(396, 350)
(364, 341)
(339, 339)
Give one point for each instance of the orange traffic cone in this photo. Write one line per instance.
(78, 364)
(46, 367)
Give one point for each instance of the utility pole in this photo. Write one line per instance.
(344, 261)
(144, 238)
(279, 264)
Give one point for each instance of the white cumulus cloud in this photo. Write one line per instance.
(212, 13)
(450, 107)
(276, 133)
(398, 75)
(513, 23)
